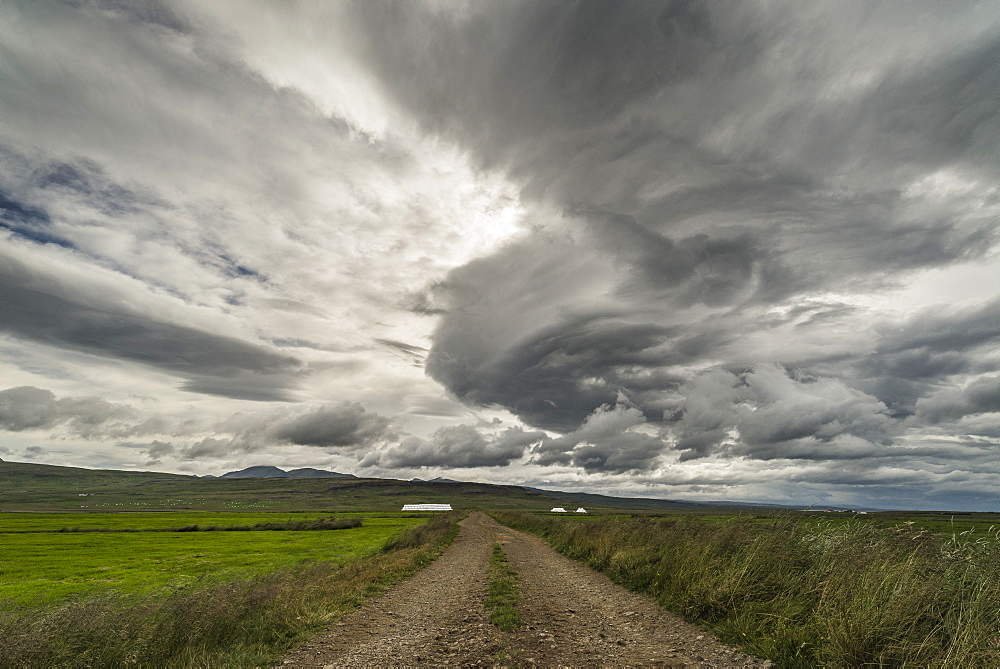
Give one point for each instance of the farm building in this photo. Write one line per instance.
(581, 510)
(427, 507)
(558, 509)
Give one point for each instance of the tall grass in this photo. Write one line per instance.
(247, 622)
(803, 595)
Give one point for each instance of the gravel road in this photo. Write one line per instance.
(573, 617)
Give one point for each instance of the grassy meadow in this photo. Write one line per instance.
(95, 570)
(181, 599)
(117, 569)
(802, 590)
(46, 567)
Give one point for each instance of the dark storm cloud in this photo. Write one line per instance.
(911, 359)
(334, 428)
(456, 446)
(157, 450)
(554, 378)
(30, 408)
(705, 157)
(528, 71)
(980, 396)
(605, 442)
(767, 412)
(32, 452)
(72, 314)
(347, 424)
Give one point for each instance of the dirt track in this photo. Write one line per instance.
(573, 617)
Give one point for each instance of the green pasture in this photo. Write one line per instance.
(36, 569)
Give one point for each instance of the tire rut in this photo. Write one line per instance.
(573, 617)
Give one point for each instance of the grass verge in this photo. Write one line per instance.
(501, 594)
(245, 622)
(841, 595)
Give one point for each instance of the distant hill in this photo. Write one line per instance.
(310, 473)
(268, 472)
(36, 487)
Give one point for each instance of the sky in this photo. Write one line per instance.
(702, 251)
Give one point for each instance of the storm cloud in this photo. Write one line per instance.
(93, 315)
(662, 247)
(28, 408)
(461, 446)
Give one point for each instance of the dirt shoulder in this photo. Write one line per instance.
(572, 616)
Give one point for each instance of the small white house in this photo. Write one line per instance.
(581, 510)
(427, 507)
(558, 509)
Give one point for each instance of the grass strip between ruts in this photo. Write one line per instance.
(501, 594)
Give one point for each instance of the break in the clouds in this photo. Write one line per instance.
(682, 249)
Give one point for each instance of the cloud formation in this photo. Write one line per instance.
(28, 408)
(458, 446)
(673, 246)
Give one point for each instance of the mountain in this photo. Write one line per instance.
(269, 472)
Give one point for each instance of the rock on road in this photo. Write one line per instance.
(573, 616)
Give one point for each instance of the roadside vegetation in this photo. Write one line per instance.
(246, 618)
(804, 594)
(501, 594)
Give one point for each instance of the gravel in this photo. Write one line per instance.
(573, 617)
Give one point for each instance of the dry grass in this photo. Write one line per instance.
(843, 595)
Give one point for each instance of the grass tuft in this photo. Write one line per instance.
(501, 594)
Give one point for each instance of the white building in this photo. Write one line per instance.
(558, 509)
(581, 510)
(427, 507)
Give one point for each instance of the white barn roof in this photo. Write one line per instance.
(427, 507)
(558, 509)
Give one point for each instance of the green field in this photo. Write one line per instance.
(197, 599)
(41, 568)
